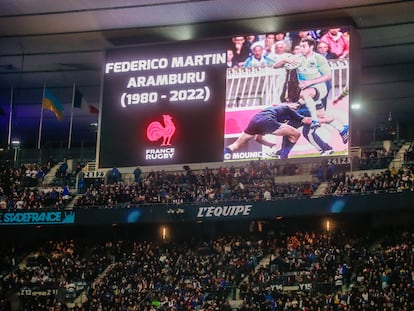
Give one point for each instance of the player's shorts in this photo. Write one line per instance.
(321, 90)
(262, 125)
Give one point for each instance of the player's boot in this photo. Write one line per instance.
(227, 150)
(273, 152)
(345, 134)
(327, 152)
(315, 124)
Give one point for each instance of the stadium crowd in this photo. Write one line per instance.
(386, 181)
(21, 188)
(375, 159)
(347, 272)
(256, 181)
(329, 270)
(302, 270)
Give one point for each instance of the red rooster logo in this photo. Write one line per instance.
(156, 130)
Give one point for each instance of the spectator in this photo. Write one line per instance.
(297, 37)
(138, 175)
(323, 49)
(282, 36)
(337, 42)
(241, 49)
(268, 43)
(279, 54)
(113, 176)
(258, 57)
(231, 62)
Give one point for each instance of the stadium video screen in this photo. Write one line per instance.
(241, 98)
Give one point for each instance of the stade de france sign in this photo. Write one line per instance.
(37, 218)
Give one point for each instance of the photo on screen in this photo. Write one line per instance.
(287, 95)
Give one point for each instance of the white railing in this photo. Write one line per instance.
(262, 86)
(253, 86)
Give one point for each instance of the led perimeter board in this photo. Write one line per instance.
(185, 102)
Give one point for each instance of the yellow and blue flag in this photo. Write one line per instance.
(50, 102)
